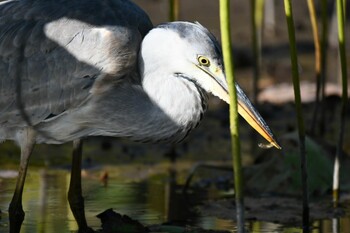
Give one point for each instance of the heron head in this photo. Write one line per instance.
(196, 55)
(190, 51)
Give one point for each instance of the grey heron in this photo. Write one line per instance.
(76, 68)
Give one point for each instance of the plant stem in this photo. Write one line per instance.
(174, 7)
(256, 12)
(342, 55)
(318, 61)
(229, 71)
(324, 49)
(300, 120)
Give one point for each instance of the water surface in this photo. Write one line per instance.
(151, 201)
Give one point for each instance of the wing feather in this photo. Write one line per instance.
(62, 50)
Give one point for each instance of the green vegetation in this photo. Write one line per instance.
(234, 129)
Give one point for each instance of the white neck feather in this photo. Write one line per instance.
(178, 97)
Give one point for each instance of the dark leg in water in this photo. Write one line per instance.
(75, 198)
(16, 213)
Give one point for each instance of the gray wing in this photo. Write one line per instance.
(60, 52)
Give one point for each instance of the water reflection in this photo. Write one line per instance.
(47, 210)
(154, 201)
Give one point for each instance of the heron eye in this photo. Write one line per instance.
(203, 61)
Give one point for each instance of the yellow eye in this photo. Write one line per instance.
(203, 61)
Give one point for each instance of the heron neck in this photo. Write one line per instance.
(162, 108)
(177, 103)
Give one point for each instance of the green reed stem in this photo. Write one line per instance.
(324, 52)
(256, 13)
(236, 149)
(342, 55)
(174, 8)
(298, 108)
(313, 19)
(318, 61)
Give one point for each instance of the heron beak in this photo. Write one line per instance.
(245, 108)
(252, 116)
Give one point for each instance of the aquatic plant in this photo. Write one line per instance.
(236, 147)
(299, 113)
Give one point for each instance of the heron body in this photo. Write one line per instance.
(81, 76)
(71, 69)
